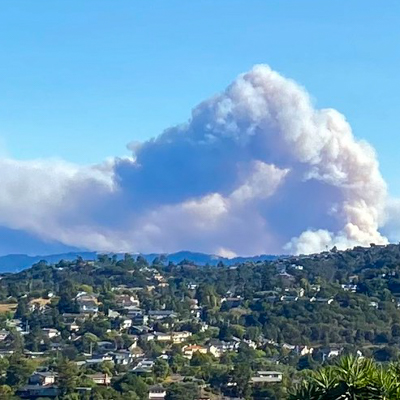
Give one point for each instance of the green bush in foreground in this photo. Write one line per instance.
(351, 378)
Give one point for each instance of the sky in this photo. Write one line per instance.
(80, 80)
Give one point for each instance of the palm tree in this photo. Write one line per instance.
(351, 378)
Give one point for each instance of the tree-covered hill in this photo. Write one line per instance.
(287, 315)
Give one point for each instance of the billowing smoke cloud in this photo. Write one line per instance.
(257, 169)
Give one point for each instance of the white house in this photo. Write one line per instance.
(263, 377)
(162, 337)
(50, 332)
(179, 337)
(157, 393)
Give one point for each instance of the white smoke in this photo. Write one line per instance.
(257, 169)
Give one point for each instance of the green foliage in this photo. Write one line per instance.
(160, 369)
(19, 371)
(350, 378)
(67, 377)
(188, 391)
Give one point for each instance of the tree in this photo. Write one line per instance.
(241, 376)
(178, 391)
(67, 376)
(19, 371)
(131, 383)
(5, 392)
(22, 308)
(161, 369)
(4, 364)
(88, 341)
(177, 362)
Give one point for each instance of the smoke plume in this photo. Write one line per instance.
(256, 169)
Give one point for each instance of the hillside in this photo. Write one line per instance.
(18, 262)
(282, 315)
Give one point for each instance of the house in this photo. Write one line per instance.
(127, 300)
(73, 326)
(134, 312)
(321, 300)
(123, 357)
(140, 329)
(188, 351)
(43, 378)
(192, 286)
(195, 309)
(144, 366)
(297, 267)
(288, 346)
(330, 352)
(217, 348)
(98, 359)
(157, 392)
(126, 323)
(162, 337)
(162, 314)
(34, 354)
(68, 318)
(287, 298)
(137, 352)
(105, 346)
(50, 332)
(353, 278)
(139, 319)
(3, 334)
(88, 303)
(304, 350)
(374, 304)
(179, 337)
(100, 379)
(284, 275)
(250, 343)
(232, 301)
(148, 337)
(38, 391)
(113, 314)
(265, 377)
(349, 287)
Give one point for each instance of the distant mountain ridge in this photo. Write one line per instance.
(18, 262)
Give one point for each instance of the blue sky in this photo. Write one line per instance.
(81, 79)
